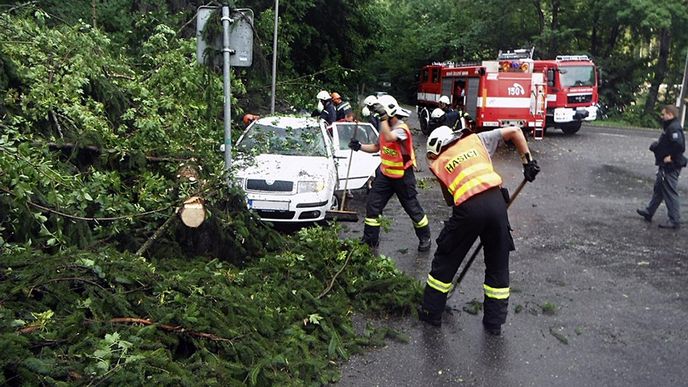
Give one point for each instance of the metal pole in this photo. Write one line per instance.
(274, 58)
(683, 95)
(226, 51)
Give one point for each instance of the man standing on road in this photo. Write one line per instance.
(395, 174)
(669, 158)
(461, 161)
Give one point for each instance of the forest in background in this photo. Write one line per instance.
(104, 114)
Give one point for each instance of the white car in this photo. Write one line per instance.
(286, 166)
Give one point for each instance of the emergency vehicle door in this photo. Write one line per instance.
(471, 95)
(538, 105)
(363, 164)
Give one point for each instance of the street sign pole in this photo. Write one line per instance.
(274, 58)
(226, 72)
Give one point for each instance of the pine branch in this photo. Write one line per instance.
(335, 277)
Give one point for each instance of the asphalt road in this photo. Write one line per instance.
(598, 296)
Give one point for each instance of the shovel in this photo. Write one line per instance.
(480, 245)
(341, 214)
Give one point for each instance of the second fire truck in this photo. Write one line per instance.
(493, 94)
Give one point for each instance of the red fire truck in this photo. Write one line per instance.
(571, 87)
(493, 93)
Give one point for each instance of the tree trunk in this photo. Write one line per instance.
(660, 71)
(554, 42)
(540, 15)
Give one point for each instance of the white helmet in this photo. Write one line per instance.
(444, 99)
(390, 104)
(437, 113)
(370, 100)
(439, 139)
(323, 95)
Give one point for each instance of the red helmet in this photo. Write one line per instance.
(336, 97)
(248, 118)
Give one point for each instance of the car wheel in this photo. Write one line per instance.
(335, 202)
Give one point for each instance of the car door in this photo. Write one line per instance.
(359, 166)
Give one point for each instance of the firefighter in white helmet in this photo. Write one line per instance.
(328, 112)
(461, 161)
(395, 174)
(444, 104)
(368, 103)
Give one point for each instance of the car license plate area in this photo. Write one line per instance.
(268, 205)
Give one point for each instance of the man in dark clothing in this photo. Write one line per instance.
(669, 158)
(328, 113)
(455, 119)
(374, 120)
(342, 108)
(462, 163)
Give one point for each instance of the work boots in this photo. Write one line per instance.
(434, 319)
(423, 234)
(646, 215)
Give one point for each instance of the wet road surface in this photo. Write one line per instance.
(598, 296)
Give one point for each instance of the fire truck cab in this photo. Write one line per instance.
(494, 93)
(571, 87)
(572, 91)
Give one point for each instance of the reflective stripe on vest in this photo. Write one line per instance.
(391, 156)
(496, 293)
(465, 169)
(439, 285)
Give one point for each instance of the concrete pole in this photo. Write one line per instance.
(226, 72)
(274, 58)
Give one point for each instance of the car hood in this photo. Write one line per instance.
(281, 167)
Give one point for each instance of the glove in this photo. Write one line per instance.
(530, 170)
(355, 144)
(380, 111)
(653, 146)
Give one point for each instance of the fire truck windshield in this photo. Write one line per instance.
(571, 76)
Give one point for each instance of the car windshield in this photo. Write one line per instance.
(292, 141)
(577, 76)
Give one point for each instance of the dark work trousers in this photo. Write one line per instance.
(484, 216)
(665, 189)
(383, 189)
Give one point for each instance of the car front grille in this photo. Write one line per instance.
(267, 214)
(276, 186)
(582, 98)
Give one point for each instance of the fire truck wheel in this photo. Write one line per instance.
(571, 127)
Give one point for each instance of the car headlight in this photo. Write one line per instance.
(311, 186)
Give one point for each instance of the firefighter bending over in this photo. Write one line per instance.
(395, 174)
(461, 161)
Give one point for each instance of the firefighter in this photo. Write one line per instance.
(328, 112)
(368, 103)
(395, 174)
(461, 161)
(342, 108)
(455, 119)
(445, 104)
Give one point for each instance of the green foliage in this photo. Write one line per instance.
(284, 320)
